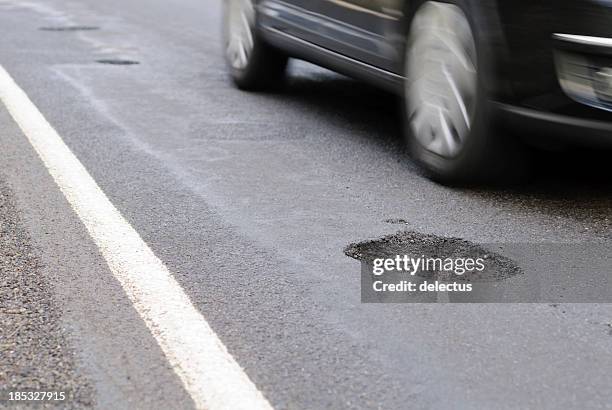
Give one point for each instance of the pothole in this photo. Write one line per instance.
(117, 62)
(498, 267)
(70, 28)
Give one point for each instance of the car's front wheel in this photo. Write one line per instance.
(253, 64)
(445, 104)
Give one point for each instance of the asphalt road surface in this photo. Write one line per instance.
(250, 200)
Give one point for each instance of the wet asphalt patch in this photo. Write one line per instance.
(33, 345)
(69, 28)
(498, 267)
(117, 62)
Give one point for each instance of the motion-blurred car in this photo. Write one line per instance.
(461, 66)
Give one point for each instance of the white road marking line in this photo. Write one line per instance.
(209, 373)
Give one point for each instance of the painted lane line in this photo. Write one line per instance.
(207, 370)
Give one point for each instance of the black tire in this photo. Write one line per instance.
(265, 66)
(486, 154)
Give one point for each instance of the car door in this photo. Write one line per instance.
(301, 19)
(359, 29)
(365, 30)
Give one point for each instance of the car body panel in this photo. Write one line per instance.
(354, 33)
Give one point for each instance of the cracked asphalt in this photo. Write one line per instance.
(250, 200)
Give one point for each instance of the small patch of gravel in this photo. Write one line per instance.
(34, 353)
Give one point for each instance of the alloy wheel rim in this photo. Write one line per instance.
(241, 18)
(441, 81)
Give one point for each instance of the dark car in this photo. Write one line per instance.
(463, 67)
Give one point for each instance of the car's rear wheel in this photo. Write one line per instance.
(253, 64)
(446, 107)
